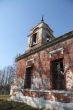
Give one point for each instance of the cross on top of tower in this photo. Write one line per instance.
(42, 18)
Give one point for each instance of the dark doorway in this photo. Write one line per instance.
(58, 75)
(27, 83)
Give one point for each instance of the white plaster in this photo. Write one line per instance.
(32, 60)
(68, 65)
(13, 88)
(41, 103)
(55, 51)
(69, 79)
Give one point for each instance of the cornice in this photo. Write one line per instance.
(47, 45)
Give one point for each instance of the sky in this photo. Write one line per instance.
(17, 17)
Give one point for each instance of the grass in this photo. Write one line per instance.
(11, 105)
(4, 97)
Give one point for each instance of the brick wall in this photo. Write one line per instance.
(41, 74)
(42, 63)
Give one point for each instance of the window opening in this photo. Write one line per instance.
(47, 38)
(34, 38)
(27, 83)
(58, 74)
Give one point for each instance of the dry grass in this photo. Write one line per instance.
(4, 97)
(11, 105)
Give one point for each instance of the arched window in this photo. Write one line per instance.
(34, 39)
(47, 38)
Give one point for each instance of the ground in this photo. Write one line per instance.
(10, 105)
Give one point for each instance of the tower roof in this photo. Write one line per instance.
(41, 24)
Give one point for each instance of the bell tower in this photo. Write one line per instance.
(39, 35)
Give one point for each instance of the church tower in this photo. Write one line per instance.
(39, 35)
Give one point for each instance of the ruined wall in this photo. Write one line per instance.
(68, 63)
(20, 68)
(41, 74)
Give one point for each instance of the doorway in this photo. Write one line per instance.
(27, 82)
(58, 75)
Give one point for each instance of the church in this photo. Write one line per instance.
(47, 65)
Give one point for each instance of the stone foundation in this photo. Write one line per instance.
(42, 102)
(53, 95)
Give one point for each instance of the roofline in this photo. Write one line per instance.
(51, 43)
(39, 24)
(39, 28)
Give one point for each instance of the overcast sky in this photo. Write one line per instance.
(17, 17)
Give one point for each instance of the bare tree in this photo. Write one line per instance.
(7, 75)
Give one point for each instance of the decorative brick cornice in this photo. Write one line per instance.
(49, 44)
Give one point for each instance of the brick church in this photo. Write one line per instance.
(47, 65)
